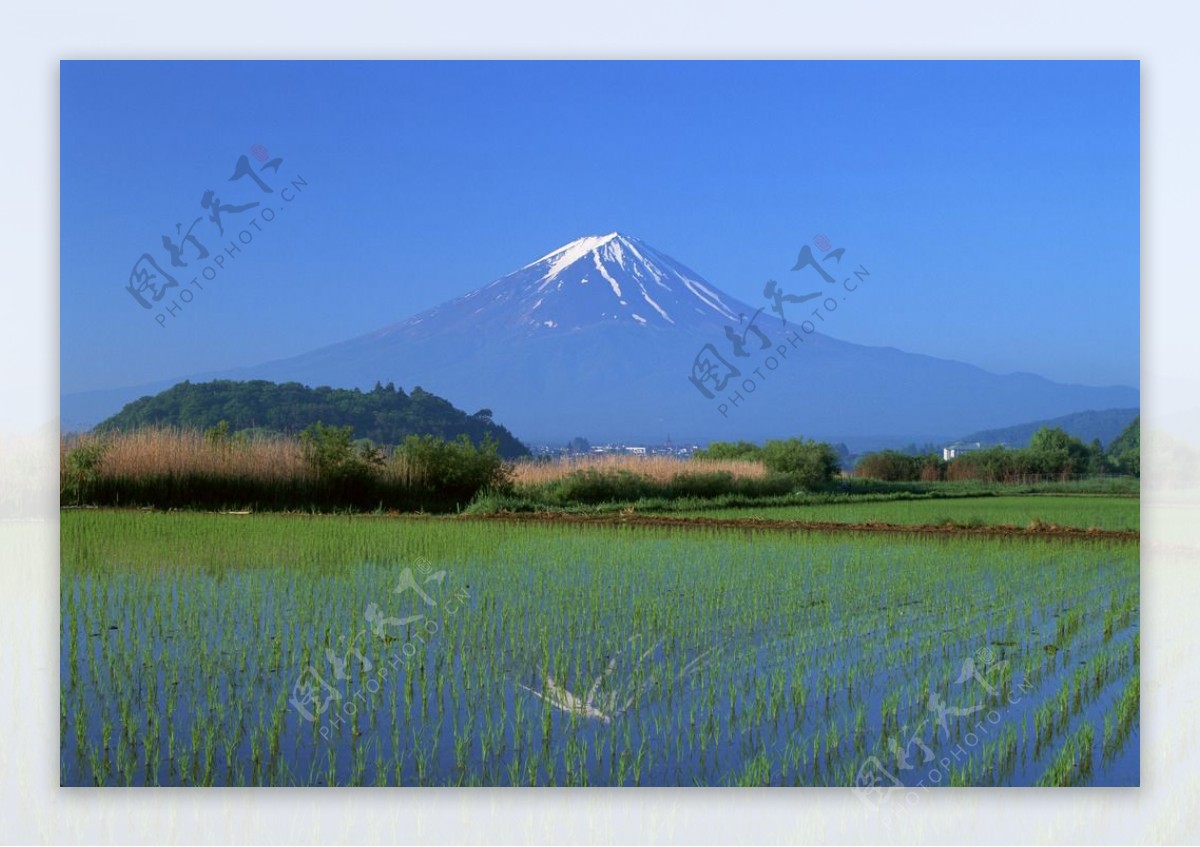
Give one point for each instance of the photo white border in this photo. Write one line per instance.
(36, 37)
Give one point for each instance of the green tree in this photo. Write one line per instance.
(1125, 450)
(811, 463)
(1052, 450)
(330, 451)
(453, 469)
(1098, 461)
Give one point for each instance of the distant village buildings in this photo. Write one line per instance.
(583, 449)
(958, 449)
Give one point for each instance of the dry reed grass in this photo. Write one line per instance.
(657, 468)
(150, 452)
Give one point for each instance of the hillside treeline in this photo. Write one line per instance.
(386, 415)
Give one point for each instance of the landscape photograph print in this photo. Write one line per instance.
(600, 424)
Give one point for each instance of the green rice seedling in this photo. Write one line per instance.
(1073, 764)
(1118, 724)
(739, 636)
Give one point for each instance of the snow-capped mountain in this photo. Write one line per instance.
(611, 339)
(609, 279)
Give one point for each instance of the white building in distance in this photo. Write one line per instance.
(953, 450)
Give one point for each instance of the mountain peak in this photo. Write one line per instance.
(573, 251)
(614, 277)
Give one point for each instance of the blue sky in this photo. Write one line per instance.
(995, 204)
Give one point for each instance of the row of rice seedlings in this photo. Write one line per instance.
(1121, 611)
(1119, 722)
(1079, 689)
(1073, 764)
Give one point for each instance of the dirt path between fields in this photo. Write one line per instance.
(626, 519)
(1038, 530)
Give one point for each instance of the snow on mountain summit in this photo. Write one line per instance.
(611, 279)
(568, 254)
(634, 271)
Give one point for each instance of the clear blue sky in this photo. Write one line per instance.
(996, 204)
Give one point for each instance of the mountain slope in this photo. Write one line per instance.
(1105, 425)
(599, 338)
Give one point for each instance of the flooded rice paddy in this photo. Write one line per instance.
(201, 649)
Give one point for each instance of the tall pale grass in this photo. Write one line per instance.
(657, 468)
(147, 453)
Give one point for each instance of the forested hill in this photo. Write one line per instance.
(1104, 425)
(385, 415)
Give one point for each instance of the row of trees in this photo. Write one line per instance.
(1051, 452)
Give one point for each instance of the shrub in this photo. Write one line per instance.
(592, 486)
(810, 463)
(744, 450)
(218, 436)
(934, 470)
(897, 466)
(457, 469)
(991, 465)
(81, 471)
(330, 452)
(597, 486)
(890, 466)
